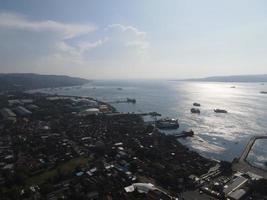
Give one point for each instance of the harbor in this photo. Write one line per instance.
(222, 132)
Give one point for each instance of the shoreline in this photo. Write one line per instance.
(114, 110)
(118, 150)
(116, 143)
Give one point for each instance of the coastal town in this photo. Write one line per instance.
(133, 100)
(69, 147)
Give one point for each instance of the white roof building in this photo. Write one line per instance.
(90, 111)
(140, 187)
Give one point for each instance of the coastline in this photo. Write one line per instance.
(78, 139)
(114, 111)
(106, 142)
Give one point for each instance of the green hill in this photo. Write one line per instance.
(34, 81)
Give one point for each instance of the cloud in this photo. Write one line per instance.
(44, 46)
(86, 46)
(131, 37)
(15, 21)
(127, 29)
(52, 47)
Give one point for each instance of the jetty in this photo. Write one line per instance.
(241, 164)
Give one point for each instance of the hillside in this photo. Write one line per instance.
(237, 78)
(34, 81)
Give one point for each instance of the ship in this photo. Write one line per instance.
(195, 110)
(263, 92)
(196, 104)
(167, 123)
(220, 111)
(184, 134)
(129, 100)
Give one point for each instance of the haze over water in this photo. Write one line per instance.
(219, 136)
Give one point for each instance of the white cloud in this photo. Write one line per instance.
(86, 46)
(15, 21)
(48, 46)
(128, 28)
(131, 37)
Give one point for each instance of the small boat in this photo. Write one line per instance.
(167, 123)
(196, 104)
(220, 111)
(129, 100)
(263, 92)
(233, 87)
(189, 133)
(184, 134)
(154, 114)
(195, 110)
(119, 88)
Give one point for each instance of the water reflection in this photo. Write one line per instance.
(221, 136)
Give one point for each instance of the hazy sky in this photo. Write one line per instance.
(134, 39)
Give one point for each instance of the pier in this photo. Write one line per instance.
(242, 165)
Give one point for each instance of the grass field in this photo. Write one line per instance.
(64, 168)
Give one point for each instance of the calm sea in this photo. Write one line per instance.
(218, 136)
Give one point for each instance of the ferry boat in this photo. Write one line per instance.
(183, 134)
(196, 104)
(167, 123)
(195, 110)
(129, 100)
(220, 111)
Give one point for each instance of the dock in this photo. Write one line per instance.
(242, 165)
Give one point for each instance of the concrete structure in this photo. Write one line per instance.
(149, 189)
(235, 185)
(238, 194)
(243, 166)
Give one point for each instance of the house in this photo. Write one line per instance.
(8, 114)
(90, 111)
(22, 111)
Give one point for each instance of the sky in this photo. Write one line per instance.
(120, 39)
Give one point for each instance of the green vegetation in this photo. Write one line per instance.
(47, 176)
(62, 169)
(24, 81)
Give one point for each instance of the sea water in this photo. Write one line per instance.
(217, 135)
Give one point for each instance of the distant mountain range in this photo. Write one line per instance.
(34, 81)
(237, 78)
